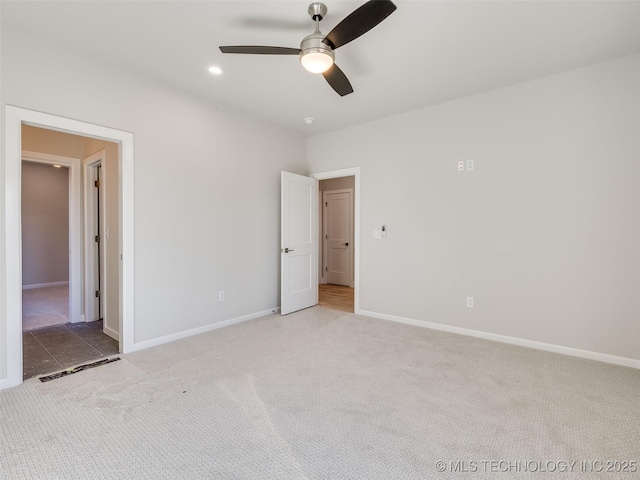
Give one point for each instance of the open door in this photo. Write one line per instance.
(299, 243)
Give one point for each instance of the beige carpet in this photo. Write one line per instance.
(43, 307)
(323, 394)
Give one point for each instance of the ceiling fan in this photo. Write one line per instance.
(316, 50)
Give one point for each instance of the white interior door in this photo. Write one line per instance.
(298, 247)
(338, 242)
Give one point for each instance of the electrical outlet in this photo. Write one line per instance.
(221, 295)
(470, 302)
(461, 166)
(469, 165)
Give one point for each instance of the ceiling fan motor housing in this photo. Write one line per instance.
(313, 44)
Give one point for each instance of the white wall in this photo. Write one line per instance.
(544, 233)
(206, 183)
(45, 224)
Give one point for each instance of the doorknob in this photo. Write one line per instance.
(346, 244)
(287, 250)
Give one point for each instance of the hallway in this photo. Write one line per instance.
(51, 349)
(49, 342)
(335, 297)
(44, 307)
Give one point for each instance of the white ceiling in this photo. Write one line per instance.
(425, 53)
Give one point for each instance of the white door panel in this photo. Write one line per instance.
(299, 248)
(338, 231)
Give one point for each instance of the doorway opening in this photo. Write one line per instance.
(338, 219)
(11, 345)
(45, 244)
(54, 237)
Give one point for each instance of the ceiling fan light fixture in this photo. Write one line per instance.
(317, 60)
(316, 56)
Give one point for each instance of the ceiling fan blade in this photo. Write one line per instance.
(359, 22)
(338, 81)
(260, 50)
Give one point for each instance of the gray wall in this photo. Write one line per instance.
(45, 224)
(544, 233)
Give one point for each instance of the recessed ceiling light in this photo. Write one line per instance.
(215, 70)
(57, 166)
(309, 120)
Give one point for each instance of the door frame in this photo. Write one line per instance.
(75, 226)
(89, 165)
(11, 290)
(325, 241)
(350, 172)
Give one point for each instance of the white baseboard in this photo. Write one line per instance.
(197, 331)
(80, 320)
(43, 285)
(574, 352)
(112, 333)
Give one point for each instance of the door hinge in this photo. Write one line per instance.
(326, 204)
(326, 269)
(97, 238)
(98, 293)
(326, 237)
(97, 183)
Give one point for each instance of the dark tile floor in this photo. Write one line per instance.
(52, 349)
